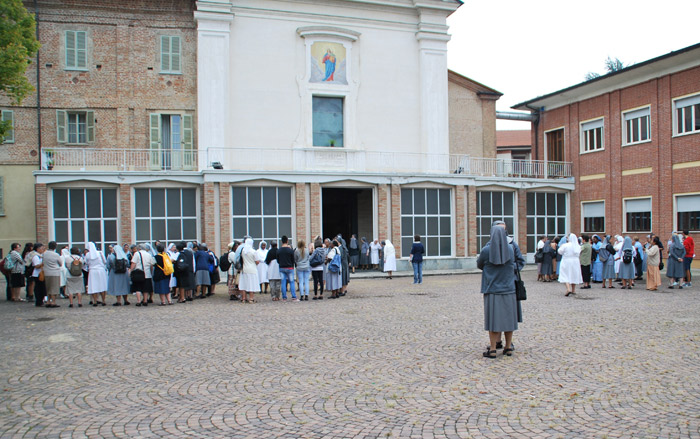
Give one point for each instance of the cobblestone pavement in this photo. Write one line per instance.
(390, 360)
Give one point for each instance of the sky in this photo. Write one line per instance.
(526, 49)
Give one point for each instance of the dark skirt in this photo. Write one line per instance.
(146, 286)
(185, 280)
(355, 260)
(162, 286)
(546, 268)
(17, 280)
(502, 312)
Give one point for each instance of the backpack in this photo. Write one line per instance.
(238, 262)
(334, 266)
(213, 265)
(181, 264)
(539, 255)
(224, 263)
(167, 265)
(627, 256)
(3, 267)
(9, 263)
(316, 259)
(603, 259)
(76, 267)
(120, 266)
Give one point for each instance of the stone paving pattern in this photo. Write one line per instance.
(391, 360)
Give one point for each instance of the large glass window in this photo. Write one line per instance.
(546, 216)
(592, 136)
(593, 216)
(490, 207)
(636, 126)
(428, 213)
(262, 212)
(82, 215)
(165, 214)
(687, 115)
(327, 121)
(638, 215)
(688, 212)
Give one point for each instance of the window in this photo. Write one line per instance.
(9, 116)
(170, 54)
(687, 115)
(76, 50)
(426, 212)
(546, 216)
(555, 146)
(636, 126)
(638, 215)
(327, 121)
(490, 207)
(262, 212)
(75, 127)
(82, 215)
(166, 215)
(171, 142)
(688, 212)
(592, 136)
(593, 216)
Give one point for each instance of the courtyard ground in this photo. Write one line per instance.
(390, 360)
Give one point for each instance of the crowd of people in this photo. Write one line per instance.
(184, 271)
(589, 259)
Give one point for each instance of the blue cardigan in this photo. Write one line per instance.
(417, 250)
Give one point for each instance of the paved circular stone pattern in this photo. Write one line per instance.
(391, 360)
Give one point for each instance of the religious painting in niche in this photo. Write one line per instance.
(328, 63)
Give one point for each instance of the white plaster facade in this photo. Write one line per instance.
(395, 99)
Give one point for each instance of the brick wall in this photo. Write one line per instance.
(42, 218)
(301, 232)
(471, 223)
(125, 235)
(382, 213)
(225, 216)
(315, 209)
(208, 222)
(395, 231)
(460, 224)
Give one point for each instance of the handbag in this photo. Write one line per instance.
(138, 275)
(520, 292)
(661, 265)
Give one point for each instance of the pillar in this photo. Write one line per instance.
(461, 232)
(315, 209)
(395, 219)
(42, 215)
(471, 214)
(125, 211)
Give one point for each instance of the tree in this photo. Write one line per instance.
(611, 65)
(18, 44)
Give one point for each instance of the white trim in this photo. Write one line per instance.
(631, 114)
(624, 213)
(593, 124)
(675, 207)
(695, 100)
(544, 140)
(583, 214)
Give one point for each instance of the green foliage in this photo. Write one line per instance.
(18, 44)
(611, 65)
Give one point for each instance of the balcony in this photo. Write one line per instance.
(298, 160)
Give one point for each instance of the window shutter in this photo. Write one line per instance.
(187, 147)
(8, 115)
(164, 53)
(70, 48)
(175, 54)
(81, 49)
(90, 122)
(155, 140)
(61, 120)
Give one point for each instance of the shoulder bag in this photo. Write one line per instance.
(520, 292)
(138, 274)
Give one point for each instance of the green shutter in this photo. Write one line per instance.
(175, 54)
(187, 146)
(164, 54)
(8, 115)
(70, 48)
(155, 154)
(90, 122)
(81, 49)
(61, 129)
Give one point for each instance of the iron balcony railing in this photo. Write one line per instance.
(297, 159)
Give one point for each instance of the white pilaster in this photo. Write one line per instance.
(213, 19)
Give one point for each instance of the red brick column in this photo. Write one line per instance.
(315, 200)
(471, 214)
(208, 232)
(301, 231)
(521, 219)
(396, 217)
(382, 212)
(42, 213)
(125, 233)
(460, 223)
(225, 216)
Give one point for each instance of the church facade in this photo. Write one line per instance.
(210, 120)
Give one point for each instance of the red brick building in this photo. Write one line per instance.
(633, 137)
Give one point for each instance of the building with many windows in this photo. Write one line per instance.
(633, 137)
(210, 120)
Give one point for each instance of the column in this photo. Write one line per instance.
(42, 215)
(315, 211)
(461, 232)
(213, 19)
(208, 232)
(125, 214)
(395, 230)
(225, 216)
(521, 221)
(471, 214)
(300, 214)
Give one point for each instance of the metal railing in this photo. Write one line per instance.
(298, 159)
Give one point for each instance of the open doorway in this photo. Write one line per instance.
(347, 211)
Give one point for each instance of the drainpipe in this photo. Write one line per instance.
(536, 112)
(38, 84)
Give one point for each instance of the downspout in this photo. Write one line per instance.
(38, 84)
(533, 117)
(536, 121)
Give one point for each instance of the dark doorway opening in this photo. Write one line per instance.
(348, 212)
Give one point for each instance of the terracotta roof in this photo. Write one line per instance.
(513, 138)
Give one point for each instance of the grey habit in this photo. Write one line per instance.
(502, 311)
(627, 270)
(118, 284)
(674, 269)
(607, 258)
(344, 260)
